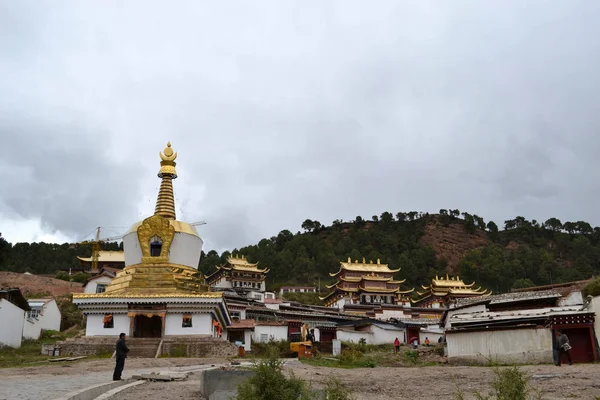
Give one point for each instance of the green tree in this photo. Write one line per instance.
(308, 225)
(592, 288)
(553, 224)
(80, 277)
(63, 276)
(387, 217)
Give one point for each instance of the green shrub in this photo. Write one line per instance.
(63, 276)
(509, 384)
(411, 356)
(80, 277)
(50, 334)
(335, 390)
(439, 350)
(592, 288)
(350, 356)
(269, 382)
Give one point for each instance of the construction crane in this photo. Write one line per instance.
(97, 242)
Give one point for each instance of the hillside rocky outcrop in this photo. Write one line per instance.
(452, 241)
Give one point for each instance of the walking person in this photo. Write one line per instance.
(121, 355)
(563, 347)
(397, 345)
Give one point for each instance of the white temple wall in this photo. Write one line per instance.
(595, 307)
(354, 336)
(264, 333)
(31, 329)
(91, 286)
(223, 283)
(185, 249)
(50, 317)
(12, 318)
(392, 313)
(95, 325)
(201, 324)
(574, 298)
(133, 251)
(511, 346)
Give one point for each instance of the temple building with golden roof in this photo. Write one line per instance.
(363, 283)
(159, 292)
(443, 291)
(106, 258)
(238, 274)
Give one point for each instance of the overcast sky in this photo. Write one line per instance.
(287, 110)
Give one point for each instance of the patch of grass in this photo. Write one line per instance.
(179, 350)
(411, 357)
(30, 352)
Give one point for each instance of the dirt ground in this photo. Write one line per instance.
(99, 365)
(580, 381)
(424, 383)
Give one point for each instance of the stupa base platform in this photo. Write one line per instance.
(168, 346)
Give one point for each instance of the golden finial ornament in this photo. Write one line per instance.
(165, 204)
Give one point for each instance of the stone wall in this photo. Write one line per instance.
(185, 347)
(197, 347)
(86, 349)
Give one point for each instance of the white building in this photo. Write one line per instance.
(297, 289)
(44, 315)
(372, 331)
(99, 282)
(13, 307)
(265, 331)
(240, 275)
(518, 328)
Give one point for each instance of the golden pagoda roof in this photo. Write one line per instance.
(238, 263)
(155, 279)
(449, 282)
(179, 226)
(364, 267)
(107, 256)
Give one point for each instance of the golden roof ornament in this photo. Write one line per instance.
(167, 165)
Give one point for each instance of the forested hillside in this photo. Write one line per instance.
(44, 258)
(524, 253)
(521, 254)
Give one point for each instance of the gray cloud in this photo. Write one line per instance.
(283, 111)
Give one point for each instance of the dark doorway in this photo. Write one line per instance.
(236, 336)
(147, 327)
(327, 335)
(412, 333)
(581, 343)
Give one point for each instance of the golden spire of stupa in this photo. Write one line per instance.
(165, 203)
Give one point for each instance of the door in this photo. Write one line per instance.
(147, 327)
